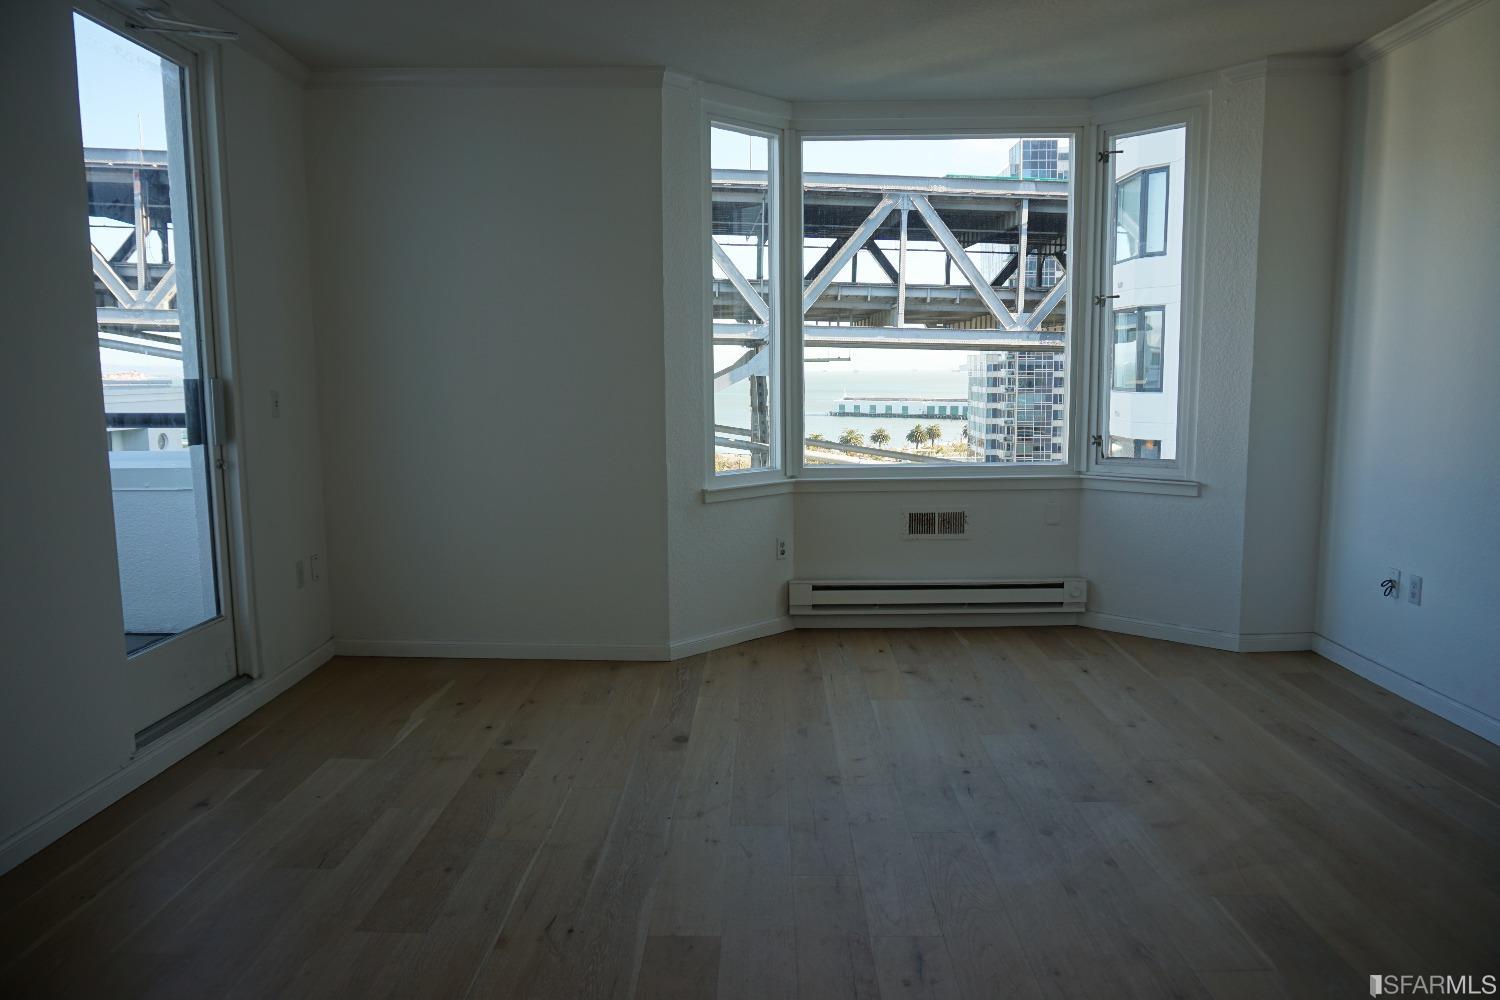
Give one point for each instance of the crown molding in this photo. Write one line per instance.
(603, 77)
(1427, 19)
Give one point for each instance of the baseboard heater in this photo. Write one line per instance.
(936, 597)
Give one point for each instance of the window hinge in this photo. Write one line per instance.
(1105, 154)
(1097, 440)
(1099, 300)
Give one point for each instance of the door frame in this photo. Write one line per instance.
(204, 112)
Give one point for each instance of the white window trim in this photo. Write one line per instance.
(1193, 112)
(931, 121)
(723, 108)
(213, 260)
(1082, 470)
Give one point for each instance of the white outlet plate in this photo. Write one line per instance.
(780, 549)
(1414, 589)
(1394, 574)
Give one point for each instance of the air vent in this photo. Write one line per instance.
(935, 524)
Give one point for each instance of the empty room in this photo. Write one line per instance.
(691, 498)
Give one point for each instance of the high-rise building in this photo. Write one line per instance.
(1016, 410)
(1041, 159)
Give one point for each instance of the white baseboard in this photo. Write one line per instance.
(1414, 691)
(982, 620)
(161, 754)
(464, 650)
(1234, 642)
(729, 637)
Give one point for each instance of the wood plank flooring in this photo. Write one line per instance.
(915, 813)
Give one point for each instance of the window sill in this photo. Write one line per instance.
(724, 492)
(954, 484)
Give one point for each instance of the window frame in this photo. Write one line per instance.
(730, 117)
(1140, 348)
(1090, 124)
(931, 122)
(1145, 174)
(1191, 112)
(203, 94)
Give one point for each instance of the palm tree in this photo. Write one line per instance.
(880, 437)
(851, 436)
(917, 435)
(934, 433)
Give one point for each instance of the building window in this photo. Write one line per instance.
(931, 268)
(1141, 214)
(1138, 349)
(744, 252)
(1142, 339)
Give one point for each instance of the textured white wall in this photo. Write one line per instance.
(490, 337)
(1413, 469)
(1296, 271)
(858, 535)
(275, 350)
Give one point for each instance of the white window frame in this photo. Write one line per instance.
(921, 121)
(214, 272)
(1088, 126)
(1191, 113)
(735, 117)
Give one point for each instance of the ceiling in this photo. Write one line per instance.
(832, 49)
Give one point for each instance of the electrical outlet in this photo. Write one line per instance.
(780, 549)
(1052, 512)
(1393, 574)
(313, 567)
(1414, 590)
(301, 579)
(275, 404)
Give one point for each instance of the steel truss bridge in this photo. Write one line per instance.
(136, 299)
(1023, 222)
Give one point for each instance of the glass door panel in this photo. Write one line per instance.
(154, 368)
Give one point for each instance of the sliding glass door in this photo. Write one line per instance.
(156, 365)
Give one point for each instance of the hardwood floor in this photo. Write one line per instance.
(935, 813)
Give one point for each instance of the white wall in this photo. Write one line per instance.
(488, 253)
(274, 350)
(63, 665)
(65, 724)
(1296, 271)
(1413, 465)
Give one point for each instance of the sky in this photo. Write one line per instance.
(119, 90)
(120, 105)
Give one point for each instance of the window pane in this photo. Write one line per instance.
(920, 348)
(743, 252)
(131, 103)
(1127, 337)
(1141, 419)
(1156, 211)
(1128, 218)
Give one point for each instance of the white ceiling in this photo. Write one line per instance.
(832, 49)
